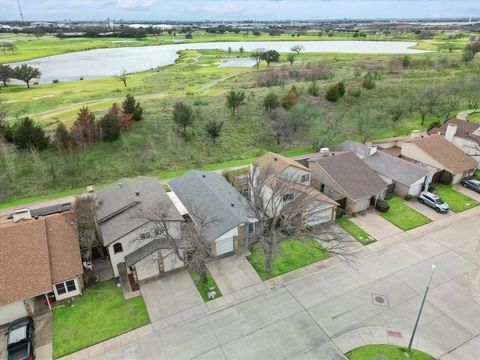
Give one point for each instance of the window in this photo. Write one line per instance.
(71, 285)
(144, 235)
(322, 188)
(66, 287)
(288, 197)
(60, 288)
(117, 248)
(156, 232)
(250, 228)
(305, 178)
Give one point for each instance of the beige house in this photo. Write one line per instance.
(438, 152)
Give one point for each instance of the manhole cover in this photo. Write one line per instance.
(379, 299)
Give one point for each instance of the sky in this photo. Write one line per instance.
(235, 9)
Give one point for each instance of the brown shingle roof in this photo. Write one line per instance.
(36, 253)
(465, 129)
(450, 156)
(278, 163)
(352, 175)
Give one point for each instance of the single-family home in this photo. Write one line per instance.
(273, 169)
(436, 151)
(345, 178)
(463, 134)
(39, 263)
(200, 194)
(403, 177)
(127, 216)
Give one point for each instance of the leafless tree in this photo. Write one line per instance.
(328, 128)
(426, 102)
(281, 204)
(280, 126)
(123, 77)
(257, 56)
(472, 92)
(368, 121)
(84, 209)
(297, 48)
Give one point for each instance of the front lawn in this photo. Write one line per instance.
(353, 229)
(386, 352)
(99, 314)
(403, 216)
(456, 201)
(476, 175)
(204, 288)
(292, 254)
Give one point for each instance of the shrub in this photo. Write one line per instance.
(291, 98)
(446, 178)
(388, 196)
(335, 92)
(340, 212)
(81, 78)
(382, 205)
(407, 197)
(55, 81)
(354, 91)
(313, 89)
(431, 188)
(368, 83)
(36, 83)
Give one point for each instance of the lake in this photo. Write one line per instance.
(100, 63)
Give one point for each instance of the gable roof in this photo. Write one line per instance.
(278, 163)
(447, 154)
(465, 129)
(36, 254)
(402, 171)
(211, 193)
(120, 205)
(148, 249)
(351, 174)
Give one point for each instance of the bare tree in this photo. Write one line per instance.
(84, 209)
(471, 90)
(257, 56)
(280, 126)
(297, 48)
(368, 121)
(328, 129)
(123, 77)
(426, 102)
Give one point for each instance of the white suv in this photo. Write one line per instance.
(433, 201)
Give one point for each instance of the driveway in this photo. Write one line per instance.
(172, 296)
(470, 193)
(233, 273)
(427, 210)
(375, 225)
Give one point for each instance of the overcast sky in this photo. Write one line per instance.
(236, 9)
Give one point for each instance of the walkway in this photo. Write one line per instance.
(463, 115)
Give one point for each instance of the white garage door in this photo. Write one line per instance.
(12, 311)
(224, 246)
(415, 189)
(319, 218)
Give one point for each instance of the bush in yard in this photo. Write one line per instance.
(382, 205)
(291, 98)
(335, 92)
(340, 213)
(407, 197)
(368, 83)
(431, 188)
(446, 178)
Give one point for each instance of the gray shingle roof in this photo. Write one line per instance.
(402, 171)
(210, 192)
(356, 179)
(121, 203)
(149, 248)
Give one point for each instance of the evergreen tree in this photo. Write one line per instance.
(63, 139)
(291, 98)
(27, 135)
(213, 129)
(132, 107)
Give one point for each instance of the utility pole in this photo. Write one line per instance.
(421, 308)
(20, 10)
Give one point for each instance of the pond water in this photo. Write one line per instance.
(240, 62)
(100, 63)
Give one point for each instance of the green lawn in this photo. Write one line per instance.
(292, 254)
(204, 288)
(457, 201)
(477, 175)
(474, 117)
(386, 352)
(403, 216)
(353, 229)
(100, 314)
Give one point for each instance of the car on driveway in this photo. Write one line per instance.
(20, 339)
(433, 201)
(471, 184)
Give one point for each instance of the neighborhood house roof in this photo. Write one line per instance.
(148, 249)
(34, 254)
(392, 167)
(447, 154)
(465, 129)
(351, 174)
(210, 194)
(124, 206)
(277, 163)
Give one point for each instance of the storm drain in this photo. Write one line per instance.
(380, 300)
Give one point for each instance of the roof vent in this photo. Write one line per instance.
(203, 176)
(119, 184)
(232, 204)
(275, 158)
(137, 193)
(90, 188)
(324, 151)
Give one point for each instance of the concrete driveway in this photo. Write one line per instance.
(470, 193)
(171, 298)
(375, 225)
(427, 210)
(233, 273)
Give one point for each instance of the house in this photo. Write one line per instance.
(403, 177)
(436, 151)
(203, 194)
(345, 178)
(125, 218)
(463, 134)
(273, 169)
(39, 262)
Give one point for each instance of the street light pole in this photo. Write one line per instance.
(421, 308)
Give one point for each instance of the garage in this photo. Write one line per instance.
(319, 217)
(224, 246)
(12, 311)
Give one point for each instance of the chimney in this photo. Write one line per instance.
(119, 184)
(21, 214)
(324, 151)
(450, 132)
(372, 149)
(415, 134)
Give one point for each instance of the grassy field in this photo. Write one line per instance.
(456, 201)
(205, 288)
(403, 216)
(292, 254)
(99, 314)
(356, 231)
(474, 117)
(385, 352)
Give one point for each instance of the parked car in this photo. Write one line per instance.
(20, 339)
(471, 184)
(433, 201)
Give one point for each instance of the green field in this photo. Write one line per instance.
(386, 352)
(152, 147)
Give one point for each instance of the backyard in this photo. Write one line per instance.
(403, 216)
(292, 254)
(99, 314)
(386, 352)
(457, 201)
(354, 230)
